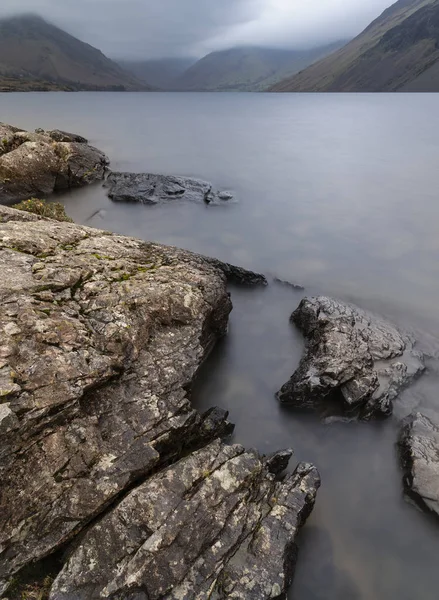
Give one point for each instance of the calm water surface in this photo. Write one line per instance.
(339, 193)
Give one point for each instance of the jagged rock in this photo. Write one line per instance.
(419, 448)
(37, 164)
(100, 335)
(238, 274)
(147, 188)
(294, 286)
(65, 136)
(352, 358)
(215, 525)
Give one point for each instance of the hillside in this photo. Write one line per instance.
(247, 69)
(396, 52)
(161, 73)
(36, 53)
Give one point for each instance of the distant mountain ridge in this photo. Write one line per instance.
(399, 51)
(161, 73)
(247, 69)
(35, 53)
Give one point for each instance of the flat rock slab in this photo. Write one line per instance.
(419, 448)
(38, 164)
(215, 525)
(148, 188)
(353, 360)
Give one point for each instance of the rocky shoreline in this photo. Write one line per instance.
(101, 336)
(104, 462)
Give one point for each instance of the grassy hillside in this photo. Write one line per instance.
(34, 51)
(247, 69)
(392, 51)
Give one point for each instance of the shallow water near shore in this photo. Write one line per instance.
(338, 193)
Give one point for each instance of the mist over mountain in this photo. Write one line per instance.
(398, 51)
(248, 69)
(35, 54)
(161, 73)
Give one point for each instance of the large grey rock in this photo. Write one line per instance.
(37, 164)
(352, 358)
(147, 188)
(419, 448)
(100, 336)
(216, 525)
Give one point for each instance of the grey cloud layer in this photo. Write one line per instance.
(156, 28)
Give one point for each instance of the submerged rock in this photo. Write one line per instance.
(100, 338)
(38, 164)
(352, 359)
(419, 448)
(215, 525)
(147, 188)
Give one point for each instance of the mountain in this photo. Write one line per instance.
(161, 73)
(247, 68)
(34, 52)
(399, 51)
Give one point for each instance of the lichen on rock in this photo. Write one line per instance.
(38, 164)
(353, 360)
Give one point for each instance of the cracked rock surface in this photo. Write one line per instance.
(352, 357)
(215, 525)
(419, 448)
(100, 338)
(148, 188)
(38, 164)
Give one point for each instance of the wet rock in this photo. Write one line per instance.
(238, 275)
(353, 360)
(100, 337)
(294, 286)
(215, 525)
(419, 449)
(63, 136)
(147, 188)
(36, 164)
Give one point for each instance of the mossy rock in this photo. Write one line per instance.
(51, 210)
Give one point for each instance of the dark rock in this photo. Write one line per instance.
(278, 462)
(419, 449)
(64, 136)
(293, 286)
(147, 188)
(35, 165)
(352, 358)
(215, 525)
(238, 275)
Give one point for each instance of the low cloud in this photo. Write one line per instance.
(159, 28)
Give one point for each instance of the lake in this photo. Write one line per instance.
(339, 193)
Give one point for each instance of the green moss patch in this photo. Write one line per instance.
(42, 208)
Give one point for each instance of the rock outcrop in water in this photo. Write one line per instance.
(419, 447)
(352, 358)
(100, 337)
(38, 164)
(147, 188)
(215, 525)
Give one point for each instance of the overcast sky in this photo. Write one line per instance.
(158, 28)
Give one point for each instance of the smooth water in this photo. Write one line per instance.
(339, 193)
